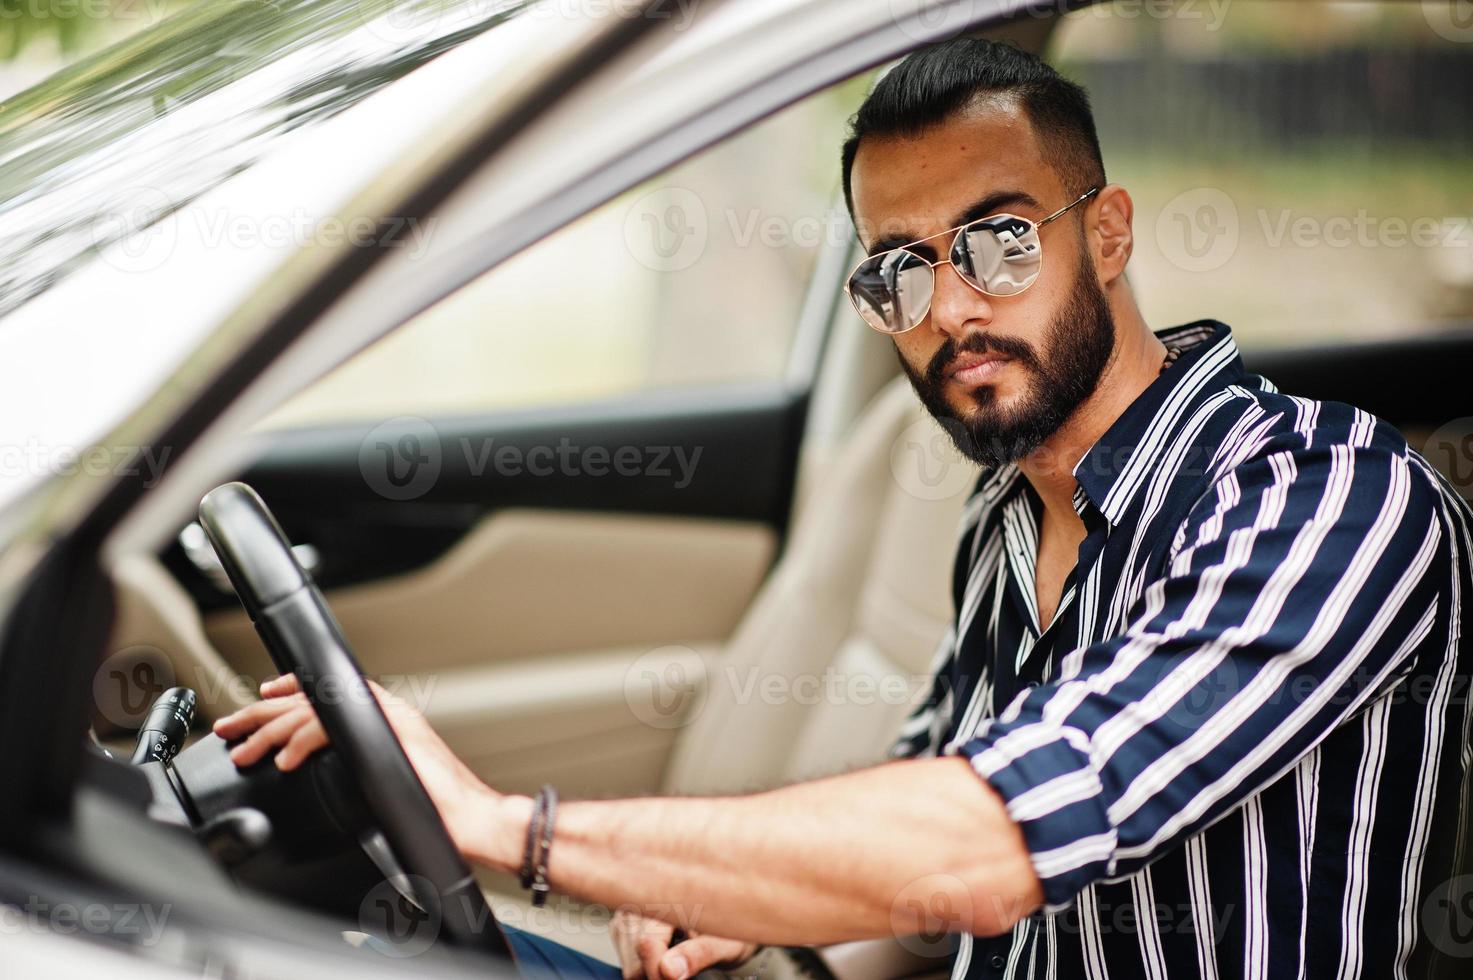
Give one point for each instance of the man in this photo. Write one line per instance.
(1200, 713)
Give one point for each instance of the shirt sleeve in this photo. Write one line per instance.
(1305, 583)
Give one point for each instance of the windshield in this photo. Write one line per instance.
(112, 144)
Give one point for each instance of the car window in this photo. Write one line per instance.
(1300, 170)
(694, 278)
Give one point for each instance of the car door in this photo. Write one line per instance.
(571, 476)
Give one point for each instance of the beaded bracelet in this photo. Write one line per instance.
(539, 845)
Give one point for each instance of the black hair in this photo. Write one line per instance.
(931, 84)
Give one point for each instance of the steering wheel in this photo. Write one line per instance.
(302, 637)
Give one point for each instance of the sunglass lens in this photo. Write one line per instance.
(892, 290)
(1000, 255)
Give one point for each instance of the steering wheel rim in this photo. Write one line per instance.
(303, 637)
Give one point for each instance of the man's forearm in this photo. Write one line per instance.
(851, 857)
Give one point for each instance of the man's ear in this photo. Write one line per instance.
(1111, 237)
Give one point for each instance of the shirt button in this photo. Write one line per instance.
(997, 962)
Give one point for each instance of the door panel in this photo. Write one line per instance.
(564, 718)
(521, 643)
(531, 583)
(514, 605)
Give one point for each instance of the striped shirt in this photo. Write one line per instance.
(1241, 746)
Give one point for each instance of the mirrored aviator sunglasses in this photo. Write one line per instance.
(999, 255)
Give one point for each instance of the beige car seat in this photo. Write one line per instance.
(842, 633)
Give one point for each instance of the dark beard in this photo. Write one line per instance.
(1079, 345)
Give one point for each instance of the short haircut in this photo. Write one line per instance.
(931, 84)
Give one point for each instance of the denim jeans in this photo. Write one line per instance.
(543, 959)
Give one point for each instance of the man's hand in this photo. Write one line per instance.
(286, 723)
(645, 951)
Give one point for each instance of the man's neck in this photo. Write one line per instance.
(1135, 363)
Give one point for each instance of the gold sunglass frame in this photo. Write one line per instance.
(956, 234)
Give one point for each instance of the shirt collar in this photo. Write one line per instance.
(1115, 468)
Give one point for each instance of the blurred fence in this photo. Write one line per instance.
(1227, 105)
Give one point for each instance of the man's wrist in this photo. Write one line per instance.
(496, 840)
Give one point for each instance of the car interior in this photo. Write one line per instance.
(785, 524)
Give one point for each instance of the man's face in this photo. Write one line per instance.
(1047, 346)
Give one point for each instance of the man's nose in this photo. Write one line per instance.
(957, 309)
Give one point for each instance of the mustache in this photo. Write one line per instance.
(979, 343)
